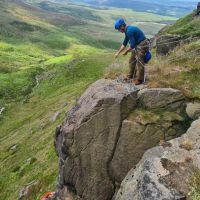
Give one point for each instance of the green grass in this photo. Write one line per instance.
(32, 130)
(195, 186)
(180, 70)
(64, 67)
(48, 59)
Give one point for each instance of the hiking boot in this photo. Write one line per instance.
(128, 77)
(137, 82)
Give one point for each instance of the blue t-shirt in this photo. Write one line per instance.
(134, 36)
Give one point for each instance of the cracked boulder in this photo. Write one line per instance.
(141, 131)
(166, 43)
(159, 175)
(107, 133)
(86, 141)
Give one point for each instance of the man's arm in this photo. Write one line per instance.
(132, 46)
(125, 42)
(120, 50)
(128, 50)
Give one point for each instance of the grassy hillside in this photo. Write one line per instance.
(180, 69)
(43, 70)
(101, 20)
(49, 56)
(189, 26)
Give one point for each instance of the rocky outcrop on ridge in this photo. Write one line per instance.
(164, 172)
(107, 133)
(166, 43)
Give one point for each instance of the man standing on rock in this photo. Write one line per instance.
(139, 46)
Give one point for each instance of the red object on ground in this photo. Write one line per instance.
(47, 195)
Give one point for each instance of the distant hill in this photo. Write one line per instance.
(176, 8)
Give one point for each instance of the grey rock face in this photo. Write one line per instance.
(136, 138)
(87, 140)
(65, 194)
(193, 110)
(167, 43)
(106, 134)
(161, 98)
(159, 175)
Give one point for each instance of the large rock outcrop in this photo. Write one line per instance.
(166, 43)
(165, 172)
(107, 133)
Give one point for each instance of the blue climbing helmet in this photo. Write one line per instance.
(119, 23)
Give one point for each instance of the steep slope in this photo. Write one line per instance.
(48, 58)
(180, 68)
(43, 70)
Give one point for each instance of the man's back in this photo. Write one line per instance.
(133, 31)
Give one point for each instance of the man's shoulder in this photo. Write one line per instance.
(132, 28)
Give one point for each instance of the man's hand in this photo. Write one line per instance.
(116, 55)
(125, 53)
(120, 50)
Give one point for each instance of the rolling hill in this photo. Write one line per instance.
(172, 7)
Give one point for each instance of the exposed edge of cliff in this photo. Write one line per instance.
(94, 136)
